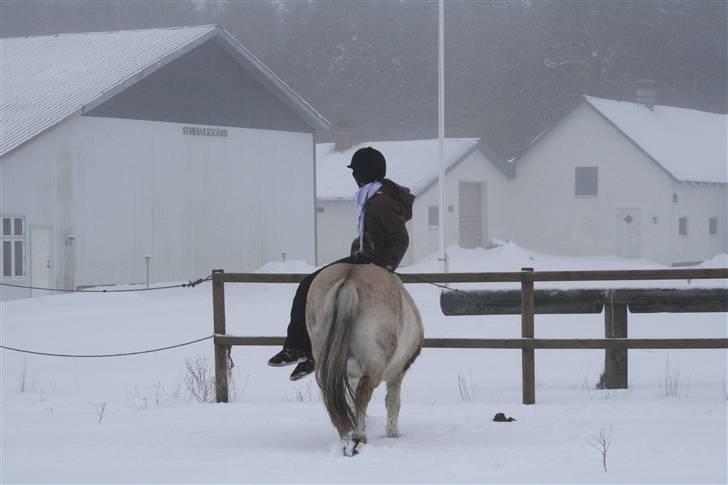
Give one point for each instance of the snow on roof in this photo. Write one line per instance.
(45, 79)
(411, 163)
(691, 145)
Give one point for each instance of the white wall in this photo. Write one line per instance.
(700, 202)
(127, 188)
(36, 183)
(336, 228)
(475, 168)
(550, 218)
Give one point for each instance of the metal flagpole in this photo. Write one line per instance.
(442, 257)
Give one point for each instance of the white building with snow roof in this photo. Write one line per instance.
(475, 188)
(632, 179)
(176, 143)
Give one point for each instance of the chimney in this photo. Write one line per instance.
(343, 141)
(647, 92)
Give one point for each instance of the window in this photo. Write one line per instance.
(13, 247)
(319, 210)
(683, 226)
(674, 198)
(586, 181)
(433, 216)
(713, 226)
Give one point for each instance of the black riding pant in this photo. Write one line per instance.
(297, 337)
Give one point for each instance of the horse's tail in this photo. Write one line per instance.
(341, 307)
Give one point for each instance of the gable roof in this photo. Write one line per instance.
(46, 79)
(411, 163)
(690, 145)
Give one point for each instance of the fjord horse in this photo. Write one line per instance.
(364, 328)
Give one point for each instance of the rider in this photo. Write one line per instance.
(383, 207)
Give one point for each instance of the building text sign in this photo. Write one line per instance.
(198, 131)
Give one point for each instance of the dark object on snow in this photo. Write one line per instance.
(501, 418)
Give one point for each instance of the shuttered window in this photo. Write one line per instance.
(586, 181)
(12, 247)
(433, 216)
(683, 226)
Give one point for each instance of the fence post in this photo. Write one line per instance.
(615, 360)
(218, 316)
(528, 361)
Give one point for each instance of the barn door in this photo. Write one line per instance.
(628, 233)
(40, 259)
(470, 215)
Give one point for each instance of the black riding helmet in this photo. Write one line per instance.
(368, 165)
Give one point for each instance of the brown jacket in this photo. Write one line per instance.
(385, 235)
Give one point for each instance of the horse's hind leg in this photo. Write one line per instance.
(392, 402)
(363, 395)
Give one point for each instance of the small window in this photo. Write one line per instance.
(433, 216)
(586, 181)
(13, 247)
(683, 226)
(7, 258)
(674, 198)
(713, 226)
(319, 210)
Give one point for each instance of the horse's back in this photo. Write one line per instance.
(387, 331)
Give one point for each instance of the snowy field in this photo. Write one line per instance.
(133, 420)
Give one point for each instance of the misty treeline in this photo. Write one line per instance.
(512, 67)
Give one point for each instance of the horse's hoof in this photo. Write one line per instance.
(352, 447)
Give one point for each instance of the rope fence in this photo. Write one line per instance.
(125, 354)
(189, 284)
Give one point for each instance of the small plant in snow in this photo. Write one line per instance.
(304, 394)
(601, 443)
(100, 407)
(468, 390)
(234, 390)
(30, 381)
(673, 386)
(199, 379)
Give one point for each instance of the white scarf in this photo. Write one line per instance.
(362, 196)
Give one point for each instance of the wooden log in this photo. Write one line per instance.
(615, 359)
(517, 343)
(640, 300)
(221, 350)
(508, 302)
(681, 300)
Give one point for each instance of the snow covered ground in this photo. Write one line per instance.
(132, 419)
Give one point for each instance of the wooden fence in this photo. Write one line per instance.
(527, 343)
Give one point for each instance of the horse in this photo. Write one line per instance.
(365, 328)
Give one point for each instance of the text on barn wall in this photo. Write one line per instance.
(195, 131)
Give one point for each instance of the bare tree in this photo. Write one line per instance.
(601, 443)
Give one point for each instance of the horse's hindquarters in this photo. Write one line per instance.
(364, 328)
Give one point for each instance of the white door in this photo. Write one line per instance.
(470, 216)
(628, 233)
(40, 259)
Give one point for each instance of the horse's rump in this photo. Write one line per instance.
(363, 326)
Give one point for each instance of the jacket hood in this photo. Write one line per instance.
(401, 195)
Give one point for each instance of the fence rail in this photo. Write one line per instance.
(527, 343)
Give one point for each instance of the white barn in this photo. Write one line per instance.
(475, 187)
(176, 143)
(625, 178)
